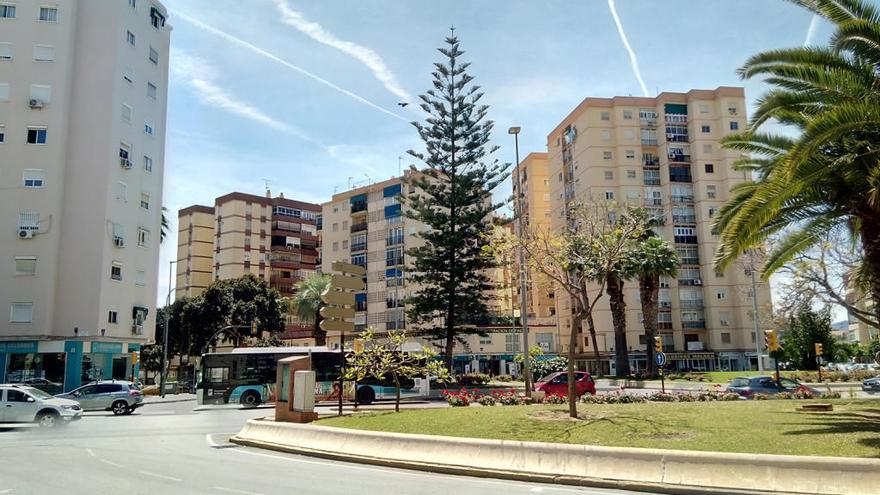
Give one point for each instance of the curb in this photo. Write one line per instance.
(659, 471)
(172, 401)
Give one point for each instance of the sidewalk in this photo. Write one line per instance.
(169, 398)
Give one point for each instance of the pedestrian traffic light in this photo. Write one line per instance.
(819, 349)
(658, 344)
(771, 340)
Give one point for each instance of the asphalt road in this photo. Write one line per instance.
(169, 449)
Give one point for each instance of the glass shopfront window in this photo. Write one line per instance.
(105, 366)
(40, 370)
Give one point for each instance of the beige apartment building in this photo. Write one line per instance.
(275, 239)
(664, 154)
(83, 92)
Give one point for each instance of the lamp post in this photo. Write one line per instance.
(755, 309)
(523, 297)
(165, 333)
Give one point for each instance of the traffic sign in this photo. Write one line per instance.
(338, 298)
(339, 266)
(337, 312)
(346, 282)
(660, 358)
(337, 326)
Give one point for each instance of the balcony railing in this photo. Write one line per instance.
(649, 141)
(684, 218)
(360, 246)
(690, 260)
(358, 206)
(692, 303)
(359, 227)
(393, 240)
(686, 239)
(652, 181)
(397, 260)
(679, 157)
(690, 281)
(676, 118)
(678, 198)
(677, 138)
(694, 324)
(653, 202)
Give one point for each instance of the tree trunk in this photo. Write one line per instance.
(614, 289)
(870, 232)
(447, 353)
(649, 288)
(576, 321)
(397, 389)
(320, 335)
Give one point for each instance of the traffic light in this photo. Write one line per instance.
(819, 349)
(253, 328)
(135, 357)
(658, 344)
(771, 340)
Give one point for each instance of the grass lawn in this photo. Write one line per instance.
(771, 427)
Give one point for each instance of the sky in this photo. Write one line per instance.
(303, 95)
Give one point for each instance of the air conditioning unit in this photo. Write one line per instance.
(137, 329)
(732, 110)
(126, 163)
(698, 282)
(34, 103)
(118, 241)
(25, 234)
(725, 323)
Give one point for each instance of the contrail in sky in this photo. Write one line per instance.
(634, 62)
(259, 51)
(362, 54)
(811, 31)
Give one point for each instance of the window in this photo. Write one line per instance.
(606, 155)
(724, 318)
(710, 168)
(7, 11)
(143, 237)
(140, 278)
(5, 51)
(609, 175)
(631, 154)
(627, 115)
(630, 174)
(725, 337)
(710, 191)
(707, 148)
(128, 75)
(344, 244)
(734, 125)
(712, 211)
(606, 116)
(606, 135)
(122, 191)
(719, 274)
(721, 294)
(129, 36)
(154, 56)
(335, 227)
(112, 317)
(44, 53)
(2, 133)
(132, 4)
(41, 92)
(148, 128)
(21, 313)
(151, 90)
(25, 265)
(485, 339)
(49, 14)
(4, 91)
(335, 246)
(36, 135)
(706, 129)
(148, 163)
(116, 271)
(33, 178)
(126, 113)
(609, 195)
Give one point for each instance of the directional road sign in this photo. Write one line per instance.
(660, 358)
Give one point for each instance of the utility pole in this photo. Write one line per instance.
(755, 309)
(523, 283)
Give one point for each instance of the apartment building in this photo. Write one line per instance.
(274, 238)
(664, 154)
(857, 330)
(83, 92)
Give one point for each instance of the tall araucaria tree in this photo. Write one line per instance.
(452, 195)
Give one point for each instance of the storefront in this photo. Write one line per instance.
(57, 366)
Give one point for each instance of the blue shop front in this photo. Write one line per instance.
(62, 365)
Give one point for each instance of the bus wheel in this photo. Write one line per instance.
(365, 395)
(250, 399)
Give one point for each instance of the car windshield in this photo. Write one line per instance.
(39, 394)
(739, 382)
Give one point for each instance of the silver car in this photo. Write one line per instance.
(23, 404)
(117, 396)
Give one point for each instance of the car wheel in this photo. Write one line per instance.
(365, 395)
(250, 399)
(129, 410)
(119, 408)
(48, 419)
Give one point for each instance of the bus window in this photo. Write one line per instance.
(216, 375)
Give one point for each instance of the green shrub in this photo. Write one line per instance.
(556, 399)
(503, 378)
(760, 396)
(462, 398)
(545, 367)
(507, 398)
(662, 397)
(487, 400)
(829, 395)
(471, 379)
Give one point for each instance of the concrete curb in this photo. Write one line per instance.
(153, 402)
(662, 471)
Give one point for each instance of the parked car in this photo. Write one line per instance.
(557, 383)
(112, 395)
(23, 404)
(871, 384)
(51, 388)
(748, 386)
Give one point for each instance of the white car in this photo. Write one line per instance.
(23, 404)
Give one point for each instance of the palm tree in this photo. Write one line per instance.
(307, 303)
(829, 176)
(656, 258)
(163, 231)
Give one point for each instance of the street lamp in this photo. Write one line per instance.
(165, 333)
(523, 297)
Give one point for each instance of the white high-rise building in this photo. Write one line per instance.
(83, 93)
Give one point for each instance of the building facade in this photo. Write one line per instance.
(663, 154)
(83, 92)
(275, 239)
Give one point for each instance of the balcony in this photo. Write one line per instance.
(395, 261)
(680, 174)
(358, 206)
(679, 198)
(678, 158)
(652, 180)
(690, 260)
(359, 246)
(694, 324)
(684, 219)
(651, 161)
(676, 118)
(690, 281)
(394, 240)
(653, 202)
(691, 304)
(686, 239)
(649, 141)
(359, 227)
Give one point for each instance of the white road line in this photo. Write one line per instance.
(8, 490)
(211, 440)
(233, 490)
(90, 452)
(105, 461)
(161, 476)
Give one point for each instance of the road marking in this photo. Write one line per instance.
(90, 452)
(161, 476)
(8, 490)
(211, 440)
(105, 461)
(233, 490)
(156, 413)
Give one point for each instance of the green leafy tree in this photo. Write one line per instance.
(380, 358)
(307, 304)
(238, 303)
(828, 176)
(806, 327)
(452, 195)
(655, 258)
(151, 359)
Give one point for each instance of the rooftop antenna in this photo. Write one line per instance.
(369, 179)
(350, 178)
(266, 182)
(399, 167)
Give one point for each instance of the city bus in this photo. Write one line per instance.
(247, 376)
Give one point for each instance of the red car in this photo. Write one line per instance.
(557, 383)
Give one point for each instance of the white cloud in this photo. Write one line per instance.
(811, 31)
(633, 60)
(263, 53)
(362, 54)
